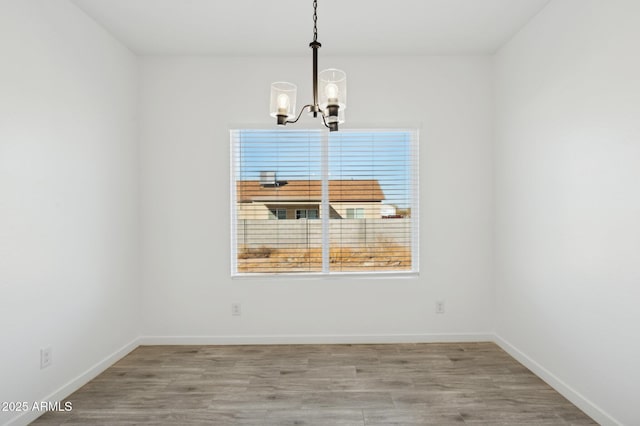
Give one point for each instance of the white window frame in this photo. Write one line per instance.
(326, 273)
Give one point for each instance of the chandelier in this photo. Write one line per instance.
(329, 92)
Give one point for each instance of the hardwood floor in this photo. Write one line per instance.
(400, 384)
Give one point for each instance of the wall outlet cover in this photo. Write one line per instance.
(46, 357)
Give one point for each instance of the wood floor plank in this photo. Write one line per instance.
(413, 416)
(399, 384)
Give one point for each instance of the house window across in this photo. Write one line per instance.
(357, 213)
(306, 214)
(369, 175)
(278, 214)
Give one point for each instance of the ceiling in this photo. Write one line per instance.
(284, 27)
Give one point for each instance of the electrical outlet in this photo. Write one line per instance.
(440, 307)
(236, 309)
(45, 357)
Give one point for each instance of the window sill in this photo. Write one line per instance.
(331, 276)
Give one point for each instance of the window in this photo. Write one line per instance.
(368, 175)
(307, 214)
(277, 213)
(355, 213)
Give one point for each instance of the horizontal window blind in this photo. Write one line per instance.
(373, 201)
(310, 201)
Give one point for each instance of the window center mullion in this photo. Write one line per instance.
(325, 209)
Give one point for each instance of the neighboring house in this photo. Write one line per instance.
(301, 199)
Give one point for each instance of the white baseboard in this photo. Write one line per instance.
(293, 339)
(577, 399)
(73, 385)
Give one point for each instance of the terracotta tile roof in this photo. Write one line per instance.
(309, 190)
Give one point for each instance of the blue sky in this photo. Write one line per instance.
(297, 154)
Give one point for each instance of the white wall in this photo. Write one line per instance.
(68, 198)
(568, 201)
(188, 105)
